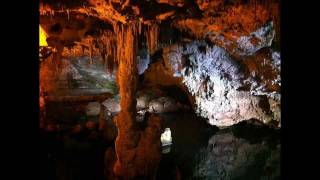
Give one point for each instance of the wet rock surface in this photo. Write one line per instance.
(146, 101)
(112, 105)
(230, 155)
(243, 151)
(93, 109)
(162, 104)
(198, 150)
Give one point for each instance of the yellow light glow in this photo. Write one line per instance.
(42, 37)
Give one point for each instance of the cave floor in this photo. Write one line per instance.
(81, 155)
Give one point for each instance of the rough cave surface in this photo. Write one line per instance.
(229, 155)
(225, 90)
(122, 60)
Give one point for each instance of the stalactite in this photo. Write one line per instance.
(103, 56)
(152, 35)
(107, 42)
(68, 13)
(110, 64)
(140, 27)
(57, 59)
(125, 4)
(126, 54)
(83, 48)
(114, 53)
(90, 52)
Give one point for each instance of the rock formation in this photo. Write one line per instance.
(230, 157)
(226, 90)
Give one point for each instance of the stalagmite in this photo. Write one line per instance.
(132, 161)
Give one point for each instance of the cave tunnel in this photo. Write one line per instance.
(160, 89)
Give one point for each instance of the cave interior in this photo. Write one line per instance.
(160, 89)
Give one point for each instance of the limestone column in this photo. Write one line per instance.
(127, 76)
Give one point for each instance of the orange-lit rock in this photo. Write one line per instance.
(152, 34)
(130, 145)
(52, 127)
(178, 3)
(127, 138)
(141, 149)
(223, 23)
(76, 129)
(47, 73)
(90, 124)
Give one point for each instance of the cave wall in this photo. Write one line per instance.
(229, 155)
(227, 90)
(228, 87)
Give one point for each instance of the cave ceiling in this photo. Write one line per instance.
(221, 22)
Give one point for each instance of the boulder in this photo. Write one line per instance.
(143, 101)
(162, 105)
(93, 109)
(112, 105)
(230, 157)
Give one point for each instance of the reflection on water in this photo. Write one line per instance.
(166, 141)
(202, 152)
(198, 151)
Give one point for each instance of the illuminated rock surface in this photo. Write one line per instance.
(224, 91)
(93, 109)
